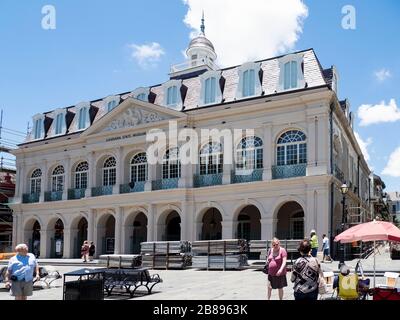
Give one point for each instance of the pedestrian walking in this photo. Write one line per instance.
(92, 250)
(85, 250)
(314, 243)
(306, 273)
(20, 270)
(325, 248)
(276, 261)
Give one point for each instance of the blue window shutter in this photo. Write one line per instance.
(293, 74)
(252, 83)
(213, 90)
(169, 95)
(207, 91)
(245, 92)
(287, 76)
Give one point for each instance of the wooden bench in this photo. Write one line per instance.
(129, 280)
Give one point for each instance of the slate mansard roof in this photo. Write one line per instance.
(314, 76)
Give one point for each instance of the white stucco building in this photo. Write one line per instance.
(83, 171)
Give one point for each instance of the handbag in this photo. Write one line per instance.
(322, 288)
(265, 269)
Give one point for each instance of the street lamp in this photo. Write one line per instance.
(343, 190)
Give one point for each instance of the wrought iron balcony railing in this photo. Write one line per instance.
(128, 188)
(206, 180)
(171, 183)
(289, 171)
(30, 197)
(102, 191)
(240, 176)
(339, 173)
(53, 196)
(74, 194)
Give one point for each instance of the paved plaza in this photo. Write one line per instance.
(194, 284)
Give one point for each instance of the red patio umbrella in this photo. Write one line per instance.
(370, 231)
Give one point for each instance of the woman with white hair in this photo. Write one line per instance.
(20, 271)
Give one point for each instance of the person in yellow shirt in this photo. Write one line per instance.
(314, 243)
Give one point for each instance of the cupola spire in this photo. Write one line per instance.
(202, 27)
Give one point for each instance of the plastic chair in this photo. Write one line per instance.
(391, 278)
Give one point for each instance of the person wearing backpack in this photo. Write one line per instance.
(276, 261)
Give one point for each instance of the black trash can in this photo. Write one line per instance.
(88, 286)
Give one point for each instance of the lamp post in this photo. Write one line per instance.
(343, 190)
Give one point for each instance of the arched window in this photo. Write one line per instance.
(291, 148)
(109, 172)
(36, 180)
(171, 164)
(83, 118)
(81, 175)
(249, 154)
(139, 167)
(211, 158)
(57, 179)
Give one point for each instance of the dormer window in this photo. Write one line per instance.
(59, 124)
(141, 94)
(249, 80)
(172, 94)
(210, 88)
(111, 105)
(111, 102)
(291, 74)
(38, 127)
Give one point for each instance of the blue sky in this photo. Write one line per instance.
(90, 53)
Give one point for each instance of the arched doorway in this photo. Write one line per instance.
(248, 223)
(57, 243)
(212, 226)
(135, 232)
(173, 227)
(81, 236)
(35, 240)
(290, 223)
(106, 234)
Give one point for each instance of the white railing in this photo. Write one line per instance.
(193, 64)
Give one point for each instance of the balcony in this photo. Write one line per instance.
(171, 183)
(339, 174)
(194, 64)
(242, 176)
(126, 188)
(206, 180)
(75, 194)
(102, 191)
(53, 196)
(30, 197)
(289, 171)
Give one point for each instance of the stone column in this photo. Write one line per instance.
(119, 170)
(118, 229)
(44, 185)
(310, 213)
(151, 176)
(19, 182)
(268, 151)
(197, 230)
(67, 177)
(151, 223)
(228, 231)
(68, 252)
(15, 229)
(92, 174)
(268, 225)
(45, 243)
(91, 227)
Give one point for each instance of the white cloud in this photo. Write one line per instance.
(393, 166)
(364, 145)
(147, 55)
(378, 113)
(248, 30)
(382, 74)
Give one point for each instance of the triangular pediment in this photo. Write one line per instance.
(133, 113)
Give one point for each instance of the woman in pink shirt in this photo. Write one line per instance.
(276, 259)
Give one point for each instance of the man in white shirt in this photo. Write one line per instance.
(325, 248)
